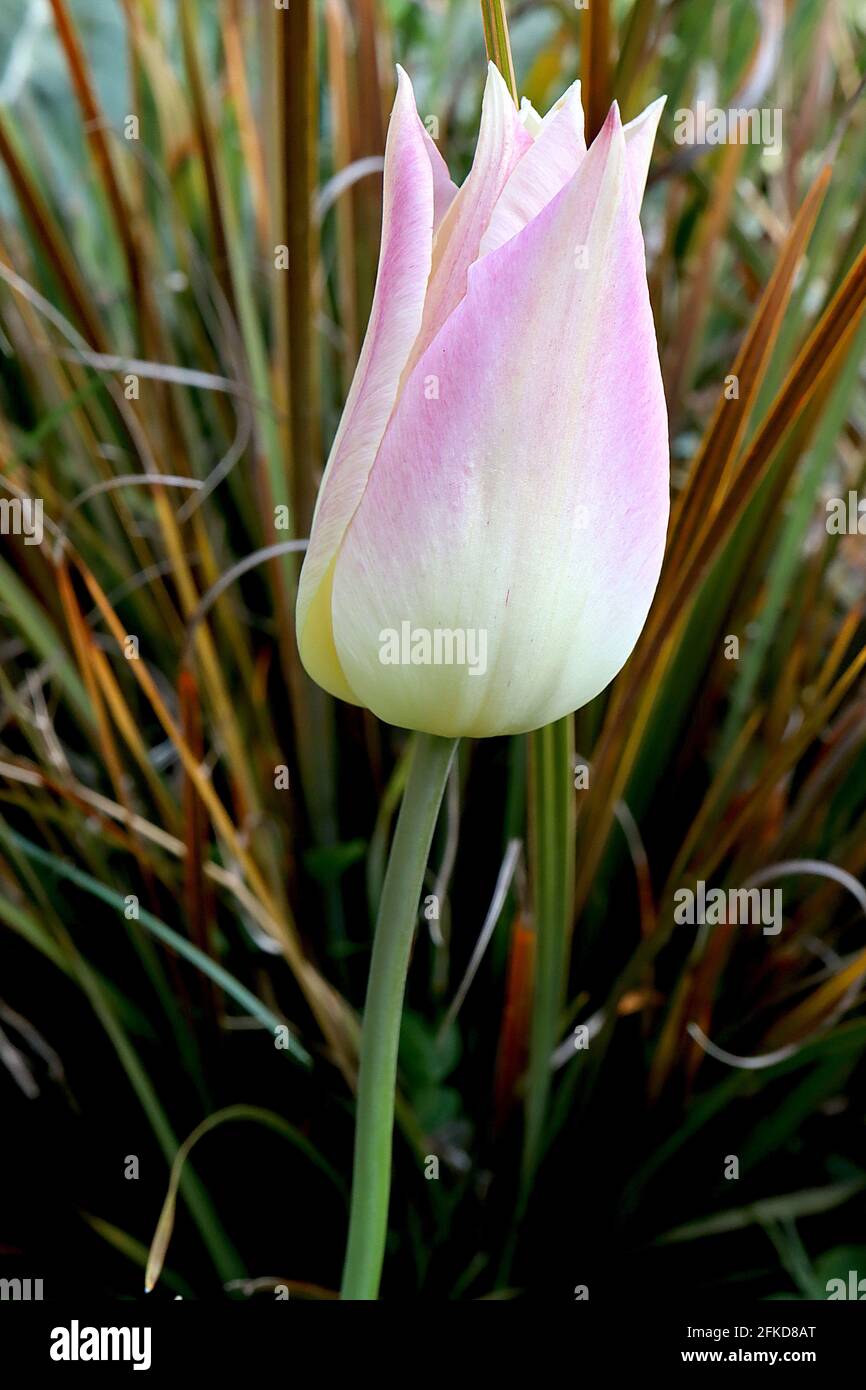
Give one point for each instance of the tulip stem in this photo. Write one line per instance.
(380, 1034)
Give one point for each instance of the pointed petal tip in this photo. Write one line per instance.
(529, 118)
(573, 96)
(650, 114)
(570, 97)
(640, 135)
(612, 128)
(496, 83)
(404, 97)
(493, 73)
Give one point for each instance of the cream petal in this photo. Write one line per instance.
(529, 117)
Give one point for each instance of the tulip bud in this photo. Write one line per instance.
(490, 527)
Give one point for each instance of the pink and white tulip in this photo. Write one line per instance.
(502, 466)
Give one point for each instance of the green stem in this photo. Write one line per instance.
(498, 43)
(551, 861)
(380, 1036)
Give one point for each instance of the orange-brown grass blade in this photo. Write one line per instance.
(369, 129)
(278, 134)
(325, 1003)
(47, 230)
(714, 803)
(516, 1014)
(341, 117)
(53, 243)
(300, 153)
(95, 129)
(717, 451)
(817, 363)
(692, 1002)
(814, 369)
(83, 644)
(842, 641)
(781, 761)
(254, 158)
(819, 1006)
(207, 150)
(197, 898)
(128, 727)
(219, 816)
(682, 355)
(595, 65)
(372, 32)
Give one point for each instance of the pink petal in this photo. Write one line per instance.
(530, 500)
(444, 189)
(413, 179)
(640, 137)
(553, 160)
(502, 141)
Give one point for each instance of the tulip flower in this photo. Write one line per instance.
(490, 526)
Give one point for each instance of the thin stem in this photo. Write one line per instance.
(380, 1036)
(552, 858)
(498, 43)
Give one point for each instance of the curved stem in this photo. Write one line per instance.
(380, 1036)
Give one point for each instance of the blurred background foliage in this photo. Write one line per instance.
(193, 838)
